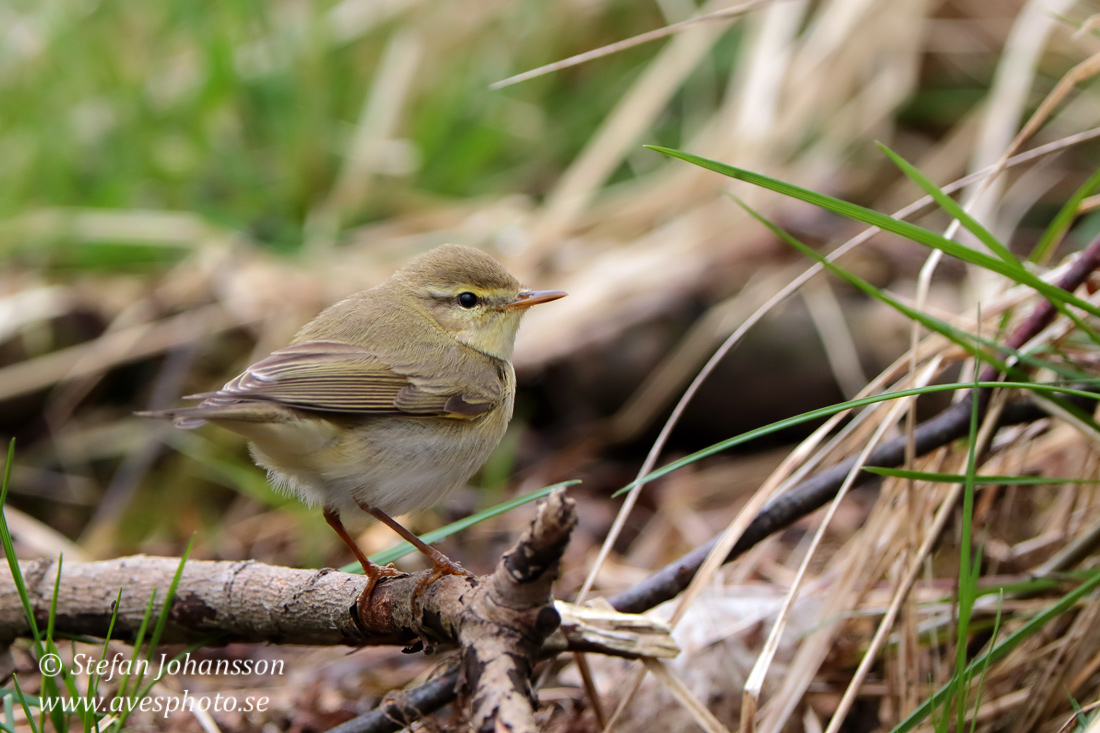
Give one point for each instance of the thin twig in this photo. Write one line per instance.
(668, 30)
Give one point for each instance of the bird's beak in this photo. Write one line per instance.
(528, 298)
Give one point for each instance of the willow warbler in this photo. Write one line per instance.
(387, 401)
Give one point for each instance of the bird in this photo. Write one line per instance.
(387, 401)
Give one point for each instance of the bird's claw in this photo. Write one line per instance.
(423, 644)
(373, 575)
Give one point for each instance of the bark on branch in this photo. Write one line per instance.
(500, 621)
(250, 602)
(236, 601)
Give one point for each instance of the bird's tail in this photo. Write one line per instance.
(186, 418)
(219, 410)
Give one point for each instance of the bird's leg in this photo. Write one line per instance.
(333, 518)
(370, 569)
(441, 564)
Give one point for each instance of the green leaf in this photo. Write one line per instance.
(974, 227)
(93, 681)
(50, 688)
(964, 339)
(139, 639)
(968, 570)
(985, 667)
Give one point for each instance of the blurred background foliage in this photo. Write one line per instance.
(183, 184)
(244, 113)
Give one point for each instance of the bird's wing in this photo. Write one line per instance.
(336, 377)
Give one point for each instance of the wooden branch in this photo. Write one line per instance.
(250, 602)
(401, 709)
(500, 621)
(507, 621)
(238, 601)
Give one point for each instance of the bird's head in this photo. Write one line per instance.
(471, 297)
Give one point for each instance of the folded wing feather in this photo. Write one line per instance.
(337, 377)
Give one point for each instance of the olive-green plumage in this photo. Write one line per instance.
(389, 400)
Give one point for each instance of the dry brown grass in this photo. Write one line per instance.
(661, 267)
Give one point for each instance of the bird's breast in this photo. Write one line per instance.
(401, 465)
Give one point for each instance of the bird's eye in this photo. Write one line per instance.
(467, 299)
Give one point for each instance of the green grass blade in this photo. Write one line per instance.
(165, 610)
(1062, 220)
(26, 704)
(985, 667)
(1078, 713)
(998, 652)
(889, 224)
(9, 553)
(968, 580)
(985, 236)
(957, 336)
(49, 685)
(956, 211)
(841, 407)
(844, 208)
(139, 639)
(50, 621)
(964, 339)
(51, 646)
(50, 688)
(158, 630)
(394, 553)
(1031, 586)
(93, 682)
(144, 689)
(9, 713)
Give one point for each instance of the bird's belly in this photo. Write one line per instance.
(395, 466)
(412, 464)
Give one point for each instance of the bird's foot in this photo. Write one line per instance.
(373, 573)
(422, 644)
(441, 565)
